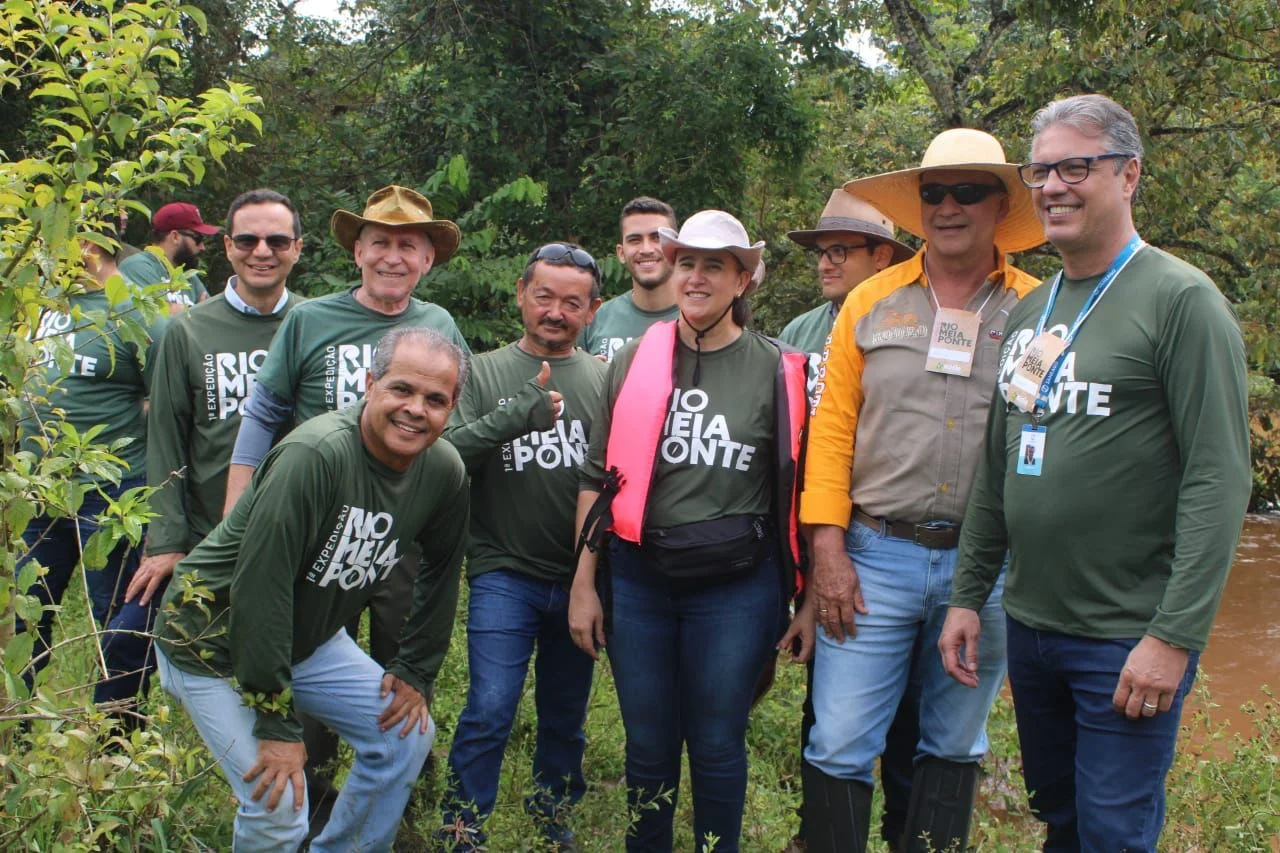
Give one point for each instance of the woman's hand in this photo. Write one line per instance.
(800, 636)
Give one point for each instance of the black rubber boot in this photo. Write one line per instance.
(942, 794)
(838, 812)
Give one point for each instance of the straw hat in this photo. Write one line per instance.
(898, 193)
(715, 231)
(395, 207)
(849, 213)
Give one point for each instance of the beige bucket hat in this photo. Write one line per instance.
(398, 207)
(716, 231)
(897, 193)
(845, 212)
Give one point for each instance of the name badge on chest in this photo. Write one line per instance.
(1031, 450)
(953, 342)
(1031, 368)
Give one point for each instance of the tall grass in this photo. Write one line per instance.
(156, 790)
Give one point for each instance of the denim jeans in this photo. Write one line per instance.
(1094, 776)
(510, 614)
(685, 660)
(859, 684)
(337, 685)
(57, 543)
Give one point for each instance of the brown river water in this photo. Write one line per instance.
(1244, 648)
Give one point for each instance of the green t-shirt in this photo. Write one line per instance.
(146, 269)
(809, 333)
(320, 527)
(205, 368)
(319, 357)
(1132, 525)
(108, 379)
(618, 321)
(715, 458)
(523, 463)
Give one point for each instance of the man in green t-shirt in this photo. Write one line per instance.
(177, 234)
(251, 628)
(522, 428)
(650, 298)
(1116, 475)
(319, 359)
(204, 370)
(103, 385)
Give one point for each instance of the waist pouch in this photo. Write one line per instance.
(723, 547)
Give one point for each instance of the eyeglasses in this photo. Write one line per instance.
(837, 253)
(1072, 170)
(275, 242)
(553, 252)
(194, 235)
(964, 194)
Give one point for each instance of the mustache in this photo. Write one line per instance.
(554, 324)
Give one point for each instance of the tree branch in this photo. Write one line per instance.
(1239, 266)
(904, 15)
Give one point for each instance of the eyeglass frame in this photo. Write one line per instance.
(965, 188)
(1051, 168)
(258, 239)
(817, 252)
(192, 235)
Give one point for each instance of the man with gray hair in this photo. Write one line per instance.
(1124, 376)
(251, 630)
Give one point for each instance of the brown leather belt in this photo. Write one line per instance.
(931, 534)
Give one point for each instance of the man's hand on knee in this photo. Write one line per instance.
(279, 762)
(408, 705)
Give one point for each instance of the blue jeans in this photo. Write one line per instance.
(510, 613)
(57, 543)
(685, 660)
(859, 684)
(1094, 776)
(337, 685)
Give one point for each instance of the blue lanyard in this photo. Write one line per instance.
(1122, 260)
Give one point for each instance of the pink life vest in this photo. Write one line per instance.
(640, 411)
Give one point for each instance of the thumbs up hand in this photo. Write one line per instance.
(557, 400)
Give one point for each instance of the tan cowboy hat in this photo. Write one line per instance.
(898, 193)
(712, 230)
(845, 212)
(398, 207)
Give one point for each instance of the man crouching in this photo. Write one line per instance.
(251, 629)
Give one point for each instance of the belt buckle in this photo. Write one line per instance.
(928, 528)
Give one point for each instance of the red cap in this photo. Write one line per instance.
(180, 216)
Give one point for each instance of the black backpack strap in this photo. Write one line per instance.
(600, 517)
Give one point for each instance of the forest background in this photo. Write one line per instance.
(528, 122)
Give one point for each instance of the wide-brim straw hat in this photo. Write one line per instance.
(712, 231)
(398, 207)
(898, 193)
(845, 212)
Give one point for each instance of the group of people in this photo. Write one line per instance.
(943, 473)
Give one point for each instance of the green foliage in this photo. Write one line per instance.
(100, 132)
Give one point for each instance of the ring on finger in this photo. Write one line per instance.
(1149, 706)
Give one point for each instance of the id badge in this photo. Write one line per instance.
(1030, 369)
(1031, 450)
(953, 343)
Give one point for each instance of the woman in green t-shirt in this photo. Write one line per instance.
(697, 577)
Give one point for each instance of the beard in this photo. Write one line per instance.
(550, 344)
(184, 257)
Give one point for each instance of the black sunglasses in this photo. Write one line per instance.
(965, 194)
(553, 252)
(194, 235)
(275, 242)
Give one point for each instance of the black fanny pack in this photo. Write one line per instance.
(708, 549)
